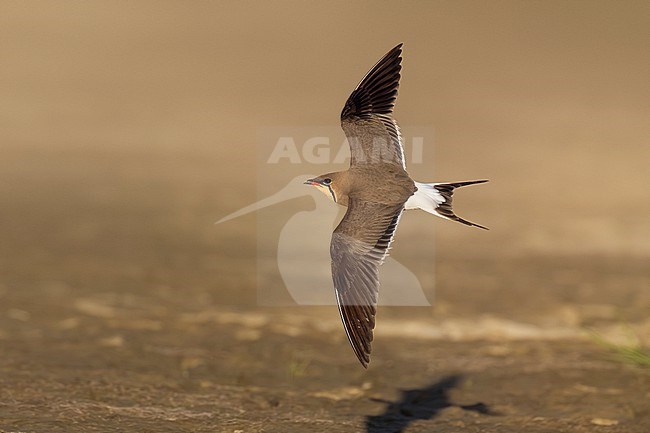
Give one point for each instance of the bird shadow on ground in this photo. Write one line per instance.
(419, 404)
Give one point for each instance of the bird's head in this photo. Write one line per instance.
(326, 183)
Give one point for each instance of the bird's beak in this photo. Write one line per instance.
(310, 182)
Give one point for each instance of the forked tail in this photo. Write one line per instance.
(436, 198)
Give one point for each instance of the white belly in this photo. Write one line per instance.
(426, 198)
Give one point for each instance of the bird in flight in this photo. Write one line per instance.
(376, 190)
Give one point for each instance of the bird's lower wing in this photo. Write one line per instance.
(359, 245)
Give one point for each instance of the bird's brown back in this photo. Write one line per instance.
(380, 183)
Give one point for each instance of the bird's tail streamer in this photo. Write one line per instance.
(436, 198)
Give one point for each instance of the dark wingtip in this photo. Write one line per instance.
(362, 355)
(377, 91)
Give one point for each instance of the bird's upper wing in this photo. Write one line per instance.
(367, 118)
(359, 245)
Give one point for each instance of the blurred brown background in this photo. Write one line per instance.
(128, 128)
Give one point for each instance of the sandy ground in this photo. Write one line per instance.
(129, 128)
(142, 317)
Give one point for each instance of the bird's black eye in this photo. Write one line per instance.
(327, 181)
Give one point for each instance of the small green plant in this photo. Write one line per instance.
(629, 353)
(297, 367)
